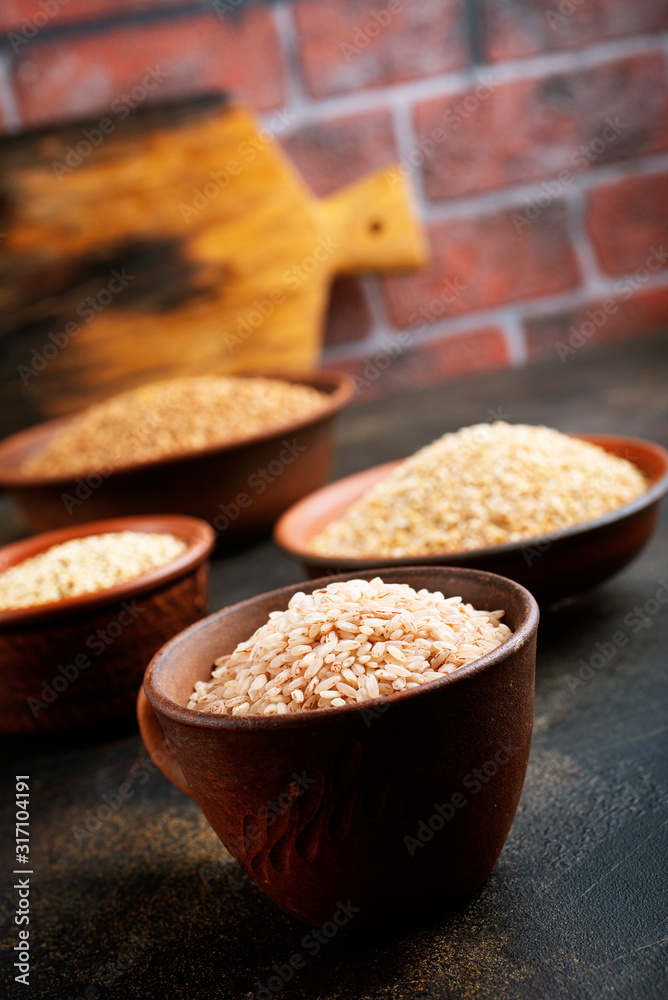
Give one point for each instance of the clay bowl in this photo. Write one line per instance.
(76, 663)
(556, 568)
(240, 488)
(317, 807)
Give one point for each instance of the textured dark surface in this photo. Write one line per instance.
(148, 904)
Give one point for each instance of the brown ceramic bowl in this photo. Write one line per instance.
(224, 484)
(556, 567)
(76, 663)
(316, 807)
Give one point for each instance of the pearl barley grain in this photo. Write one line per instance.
(86, 565)
(485, 485)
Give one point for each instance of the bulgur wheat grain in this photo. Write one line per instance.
(172, 418)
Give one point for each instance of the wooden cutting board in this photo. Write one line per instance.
(177, 241)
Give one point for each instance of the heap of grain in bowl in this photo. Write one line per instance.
(345, 644)
(173, 417)
(85, 565)
(484, 485)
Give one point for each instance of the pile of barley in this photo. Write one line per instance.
(482, 486)
(172, 418)
(345, 644)
(85, 565)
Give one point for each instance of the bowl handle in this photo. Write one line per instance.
(157, 744)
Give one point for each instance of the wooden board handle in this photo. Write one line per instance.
(371, 225)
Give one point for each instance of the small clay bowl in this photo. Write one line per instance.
(76, 663)
(240, 488)
(556, 568)
(395, 806)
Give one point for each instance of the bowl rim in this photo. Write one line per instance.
(164, 705)
(337, 386)
(199, 534)
(283, 535)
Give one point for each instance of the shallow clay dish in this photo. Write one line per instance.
(206, 483)
(317, 806)
(76, 663)
(555, 567)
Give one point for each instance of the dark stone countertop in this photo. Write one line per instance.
(150, 905)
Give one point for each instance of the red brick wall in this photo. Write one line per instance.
(534, 133)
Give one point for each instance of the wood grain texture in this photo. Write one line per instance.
(182, 243)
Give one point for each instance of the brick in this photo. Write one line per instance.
(334, 153)
(512, 29)
(348, 44)
(483, 262)
(414, 363)
(627, 220)
(348, 315)
(621, 317)
(511, 133)
(70, 77)
(26, 16)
